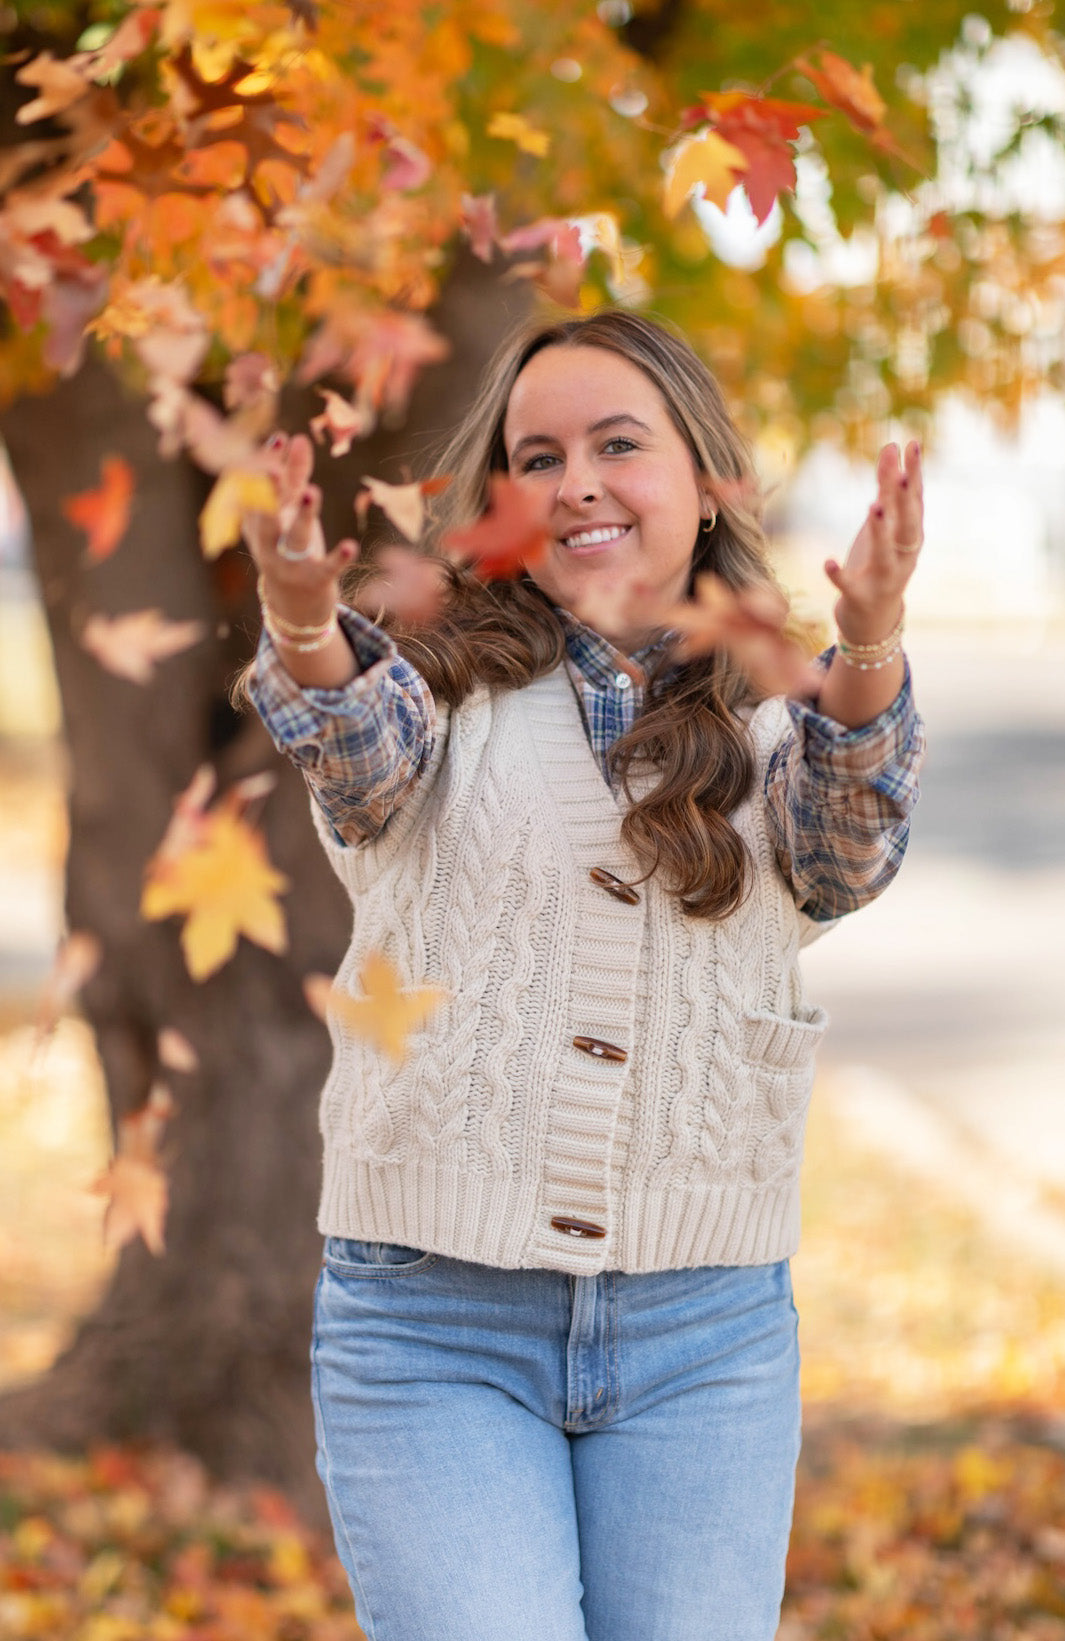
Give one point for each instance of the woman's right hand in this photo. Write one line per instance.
(300, 577)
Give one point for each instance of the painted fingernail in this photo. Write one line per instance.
(878, 512)
(904, 484)
(275, 441)
(306, 499)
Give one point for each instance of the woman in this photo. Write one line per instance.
(555, 1362)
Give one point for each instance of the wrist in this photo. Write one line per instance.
(869, 629)
(312, 609)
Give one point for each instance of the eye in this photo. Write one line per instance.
(534, 463)
(619, 445)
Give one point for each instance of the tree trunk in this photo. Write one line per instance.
(207, 1346)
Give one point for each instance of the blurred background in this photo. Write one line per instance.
(910, 283)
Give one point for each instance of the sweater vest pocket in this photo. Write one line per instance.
(781, 1053)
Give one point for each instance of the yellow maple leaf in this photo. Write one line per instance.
(236, 492)
(706, 159)
(517, 129)
(226, 887)
(387, 1012)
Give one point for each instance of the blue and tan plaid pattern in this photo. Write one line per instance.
(838, 799)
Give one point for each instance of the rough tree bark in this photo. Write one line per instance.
(207, 1346)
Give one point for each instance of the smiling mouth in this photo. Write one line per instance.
(584, 540)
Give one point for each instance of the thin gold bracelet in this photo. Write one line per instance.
(322, 637)
(874, 652)
(291, 627)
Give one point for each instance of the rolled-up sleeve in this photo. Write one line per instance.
(361, 748)
(839, 802)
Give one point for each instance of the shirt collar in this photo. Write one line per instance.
(600, 661)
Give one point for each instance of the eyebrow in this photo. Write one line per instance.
(596, 427)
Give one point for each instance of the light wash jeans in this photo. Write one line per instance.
(529, 1456)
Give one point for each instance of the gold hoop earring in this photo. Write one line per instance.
(709, 520)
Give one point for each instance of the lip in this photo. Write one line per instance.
(590, 548)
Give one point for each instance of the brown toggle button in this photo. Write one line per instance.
(576, 1227)
(601, 1050)
(614, 885)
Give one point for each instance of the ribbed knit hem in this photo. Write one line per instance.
(485, 1220)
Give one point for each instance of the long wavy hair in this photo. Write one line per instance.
(689, 734)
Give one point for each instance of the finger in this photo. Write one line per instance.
(344, 553)
(300, 533)
(299, 462)
(834, 572)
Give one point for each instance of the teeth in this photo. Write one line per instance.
(591, 538)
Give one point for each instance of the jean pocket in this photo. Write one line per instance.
(347, 1256)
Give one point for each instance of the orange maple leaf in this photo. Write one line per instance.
(104, 513)
(511, 533)
(133, 1183)
(841, 84)
(387, 1012)
(343, 420)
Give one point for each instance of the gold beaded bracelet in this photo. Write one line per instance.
(871, 657)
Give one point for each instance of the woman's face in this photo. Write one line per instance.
(590, 436)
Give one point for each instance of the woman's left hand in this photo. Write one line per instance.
(872, 579)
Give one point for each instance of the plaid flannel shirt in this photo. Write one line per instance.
(838, 799)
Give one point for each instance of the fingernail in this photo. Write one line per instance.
(878, 512)
(904, 484)
(275, 441)
(306, 499)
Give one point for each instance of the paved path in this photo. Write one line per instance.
(948, 995)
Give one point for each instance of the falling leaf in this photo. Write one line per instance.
(58, 84)
(387, 1012)
(480, 225)
(404, 504)
(853, 93)
(130, 646)
(749, 625)
(707, 160)
(517, 129)
(510, 533)
(224, 886)
(237, 492)
(407, 585)
(342, 421)
(406, 165)
(77, 960)
(175, 1051)
(134, 1183)
(104, 513)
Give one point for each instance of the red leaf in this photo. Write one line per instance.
(104, 513)
(510, 534)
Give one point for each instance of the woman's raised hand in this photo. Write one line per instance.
(873, 577)
(299, 576)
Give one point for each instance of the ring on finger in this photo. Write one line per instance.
(285, 551)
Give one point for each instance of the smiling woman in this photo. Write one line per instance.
(554, 1319)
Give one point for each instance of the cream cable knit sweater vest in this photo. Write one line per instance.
(684, 1153)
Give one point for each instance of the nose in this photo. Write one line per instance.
(579, 485)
